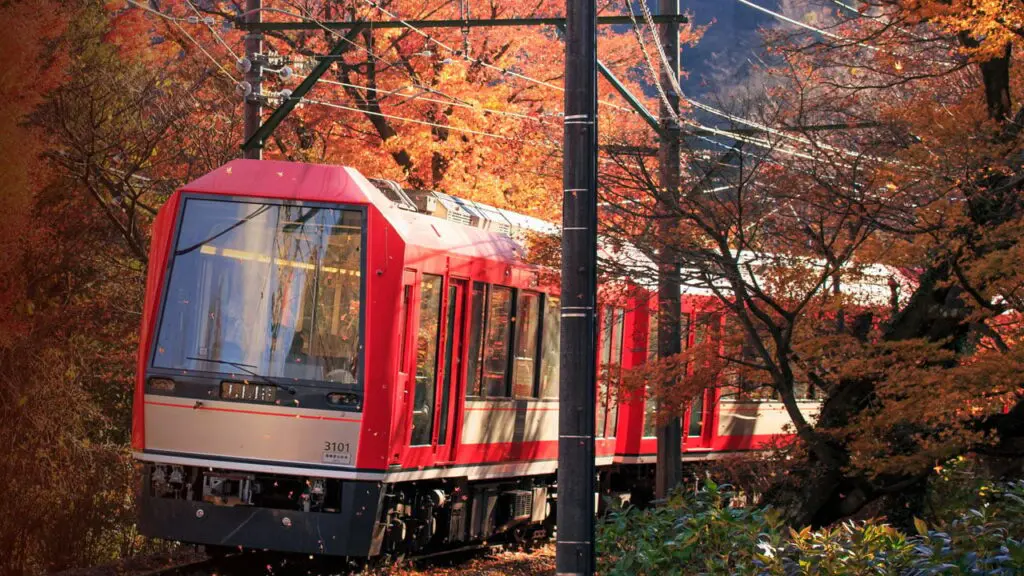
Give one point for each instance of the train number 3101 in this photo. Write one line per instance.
(337, 453)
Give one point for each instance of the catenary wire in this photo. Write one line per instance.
(175, 20)
(213, 31)
(459, 104)
(483, 63)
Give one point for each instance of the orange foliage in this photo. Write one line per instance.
(25, 52)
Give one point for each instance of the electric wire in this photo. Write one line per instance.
(374, 57)
(657, 44)
(834, 36)
(213, 31)
(175, 20)
(485, 64)
(153, 11)
(637, 32)
(884, 20)
(710, 109)
(208, 55)
(751, 124)
(426, 123)
(452, 100)
(459, 104)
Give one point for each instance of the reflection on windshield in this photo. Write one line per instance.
(276, 288)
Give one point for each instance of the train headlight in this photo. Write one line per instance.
(161, 384)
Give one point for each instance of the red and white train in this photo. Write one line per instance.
(330, 365)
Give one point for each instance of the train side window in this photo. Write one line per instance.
(604, 353)
(476, 330)
(427, 338)
(612, 324)
(733, 349)
(650, 402)
(685, 327)
(403, 321)
(652, 333)
(496, 342)
(551, 337)
(650, 414)
(524, 367)
(615, 369)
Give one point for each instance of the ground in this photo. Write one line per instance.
(511, 563)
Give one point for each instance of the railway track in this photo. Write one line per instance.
(276, 564)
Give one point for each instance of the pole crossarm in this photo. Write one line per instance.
(632, 100)
(452, 23)
(267, 128)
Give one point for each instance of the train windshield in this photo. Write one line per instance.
(264, 289)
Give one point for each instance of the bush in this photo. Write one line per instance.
(700, 533)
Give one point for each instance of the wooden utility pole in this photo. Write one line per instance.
(578, 368)
(670, 464)
(253, 46)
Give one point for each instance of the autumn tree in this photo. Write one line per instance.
(881, 137)
(100, 134)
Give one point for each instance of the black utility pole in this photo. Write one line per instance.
(578, 368)
(253, 46)
(670, 463)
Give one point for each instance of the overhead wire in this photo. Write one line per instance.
(213, 31)
(549, 146)
(459, 104)
(483, 63)
(648, 17)
(761, 143)
(833, 36)
(153, 11)
(452, 100)
(343, 38)
(884, 20)
(175, 20)
(410, 120)
(637, 32)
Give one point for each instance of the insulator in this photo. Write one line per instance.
(285, 73)
(243, 89)
(285, 94)
(244, 65)
(192, 19)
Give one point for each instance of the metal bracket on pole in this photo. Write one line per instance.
(632, 100)
(267, 128)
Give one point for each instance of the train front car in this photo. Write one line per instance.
(252, 415)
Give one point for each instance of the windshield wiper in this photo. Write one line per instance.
(245, 368)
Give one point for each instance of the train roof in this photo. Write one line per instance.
(439, 221)
(338, 184)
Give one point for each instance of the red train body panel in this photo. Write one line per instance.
(324, 370)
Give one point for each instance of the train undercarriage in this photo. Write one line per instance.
(225, 509)
(229, 510)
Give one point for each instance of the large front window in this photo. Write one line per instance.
(267, 289)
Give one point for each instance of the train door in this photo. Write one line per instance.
(706, 330)
(406, 343)
(451, 372)
(438, 359)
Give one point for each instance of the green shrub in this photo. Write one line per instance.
(700, 533)
(986, 539)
